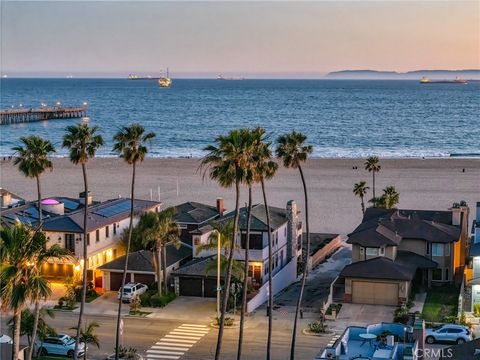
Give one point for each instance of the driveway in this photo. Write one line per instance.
(318, 283)
(361, 315)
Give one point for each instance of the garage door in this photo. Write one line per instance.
(57, 271)
(364, 292)
(210, 287)
(190, 287)
(116, 280)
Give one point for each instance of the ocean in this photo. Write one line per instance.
(341, 118)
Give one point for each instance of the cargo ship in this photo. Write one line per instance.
(221, 77)
(136, 77)
(426, 80)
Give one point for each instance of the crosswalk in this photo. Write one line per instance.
(177, 342)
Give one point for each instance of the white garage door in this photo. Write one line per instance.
(364, 292)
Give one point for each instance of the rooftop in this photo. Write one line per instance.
(195, 213)
(278, 217)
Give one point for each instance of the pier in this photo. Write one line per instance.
(23, 115)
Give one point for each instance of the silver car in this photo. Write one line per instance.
(449, 333)
(132, 290)
(60, 344)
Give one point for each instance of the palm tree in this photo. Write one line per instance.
(26, 324)
(292, 150)
(82, 143)
(19, 246)
(88, 336)
(32, 161)
(265, 169)
(225, 163)
(131, 143)
(372, 164)
(390, 197)
(360, 190)
(157, 230)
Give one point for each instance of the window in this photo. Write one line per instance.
(97, 235)
(107, 231)
(382, 251)
(446, 274)
(455, 331)
(196, 241)
(447, 249)
(372, 251)
(437, 249)
(266, 268)
(88, 239)
(114, 228)
(437, 274)
(428, 248)
(182, 226)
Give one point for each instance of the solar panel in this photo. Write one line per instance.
(32, 212)
(114, 209)
(69, 204)
(22, 219)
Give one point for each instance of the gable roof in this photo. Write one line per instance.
(198, 268)
(192, 212)
(386, 227)
(142, 260)
(403, 268)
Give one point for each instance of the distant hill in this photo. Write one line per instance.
(469, 74)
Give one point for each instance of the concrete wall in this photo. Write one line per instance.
(281, 280)
(320, 255)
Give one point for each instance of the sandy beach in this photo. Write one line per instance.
(422, 184)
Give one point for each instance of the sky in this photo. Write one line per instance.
(263, 39)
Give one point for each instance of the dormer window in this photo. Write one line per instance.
(372, 251)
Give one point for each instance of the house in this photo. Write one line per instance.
(63, 225)
(141, 267)
(192, 215)
(8, 199)
(286, 232)
(473, 273)
(393, 248)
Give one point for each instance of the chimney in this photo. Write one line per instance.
(6, 199)
(292, 230)
(81, 198)
(220, 206)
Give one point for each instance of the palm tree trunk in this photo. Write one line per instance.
(305, 267)
(245, 278)
(85, 262)
(36, 316)
(37, 305)
(125, 268)
(228, 274)
(363, 205)
(270, 285)
(373, 175)
(158, 260)
(16, 333)
(164, 265)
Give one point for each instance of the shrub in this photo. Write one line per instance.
(318, 327)
(127, 353)
(401, 315)
(135, 305)
(228, 321)
(161, 300)
(145, 299)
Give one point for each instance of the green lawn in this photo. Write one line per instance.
(440, 302)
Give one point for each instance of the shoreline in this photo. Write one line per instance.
(432, 183)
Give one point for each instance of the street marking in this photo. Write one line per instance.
(163, 357)
(172, 344)
(165, 352)
(170, 348)
(176, 343)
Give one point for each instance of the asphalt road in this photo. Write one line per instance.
(143, 333)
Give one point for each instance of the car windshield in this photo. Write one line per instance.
(127, 290)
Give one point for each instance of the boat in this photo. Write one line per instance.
(165, 81)
(457, 80)
(221, 77)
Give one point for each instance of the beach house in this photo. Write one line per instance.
(471, 293)
(393, 248)
(63, 225)
(193, 279)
